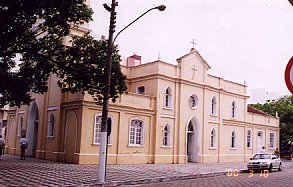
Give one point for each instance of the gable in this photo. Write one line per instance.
(193, 67)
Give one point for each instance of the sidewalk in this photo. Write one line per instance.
(35, 172)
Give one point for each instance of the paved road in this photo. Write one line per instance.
(36, 172)
(274, 179)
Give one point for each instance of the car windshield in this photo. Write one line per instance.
(261, 156)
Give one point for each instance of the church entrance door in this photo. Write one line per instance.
(192, 142)
(32, 130)
(190, 145)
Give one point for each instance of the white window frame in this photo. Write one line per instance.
(51, 125)
(168, 98)
(233, 139)
(20, 125)
(249, 138)
(214, 106)
(166, 136)
(97, 129)
(136, 132)
(272, 140)
(233, 109)
(213, 139)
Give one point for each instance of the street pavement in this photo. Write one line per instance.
(257, 179)
(36, 172)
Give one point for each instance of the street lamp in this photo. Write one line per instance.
(103, 135)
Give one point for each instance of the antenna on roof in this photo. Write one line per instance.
(159, 56)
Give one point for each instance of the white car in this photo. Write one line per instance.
(264, 161)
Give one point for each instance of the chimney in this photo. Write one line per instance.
(134, 60)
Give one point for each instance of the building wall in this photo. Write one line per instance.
(73, 139)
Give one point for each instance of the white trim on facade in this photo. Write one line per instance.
(51, 108)
(167, 116)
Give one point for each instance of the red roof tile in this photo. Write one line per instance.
(256, 111)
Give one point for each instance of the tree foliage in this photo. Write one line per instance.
(35, 29)
(284, 109)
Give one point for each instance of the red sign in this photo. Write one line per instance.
(289, 75)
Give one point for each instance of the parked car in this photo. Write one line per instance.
(264, 161)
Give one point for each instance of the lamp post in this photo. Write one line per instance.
(104, 126)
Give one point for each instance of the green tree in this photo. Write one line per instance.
(36, 29)
(284, 109)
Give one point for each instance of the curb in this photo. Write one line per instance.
(166, 179)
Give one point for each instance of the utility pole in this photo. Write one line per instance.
(104, 125)
(107, 77)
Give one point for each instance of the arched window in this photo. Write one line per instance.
(97, 129)
(190, 127)
(168, 98)
(166, 135)
(20, 125)
(233, 109)
(136, 132)
(213, 138)
(214, 106)
(233, 139)
(51, 125)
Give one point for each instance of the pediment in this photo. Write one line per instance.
(192, 55)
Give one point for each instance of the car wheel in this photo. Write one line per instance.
(280, 167)
(270, 168)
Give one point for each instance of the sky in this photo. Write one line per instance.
(242, 40)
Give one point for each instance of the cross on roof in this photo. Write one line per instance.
(194, 70)
(193, 43)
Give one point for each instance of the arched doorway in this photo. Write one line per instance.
(32, 129)
(192, 140)
(70, 143)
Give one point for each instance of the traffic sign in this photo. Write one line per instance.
(289, 75)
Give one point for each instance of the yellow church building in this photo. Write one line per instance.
(171, 114)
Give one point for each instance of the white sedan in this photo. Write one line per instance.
(264, 161)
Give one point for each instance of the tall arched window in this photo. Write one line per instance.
(214, 106)
(233, 109)
(97, 129)
(51, 125)
(213, 138)
(20, 125)
(233, 139)
(166, 135)
(136, 132)
(168, 98)
(190, 127)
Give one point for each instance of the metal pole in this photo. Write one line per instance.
(103, 135)
(104, 125)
